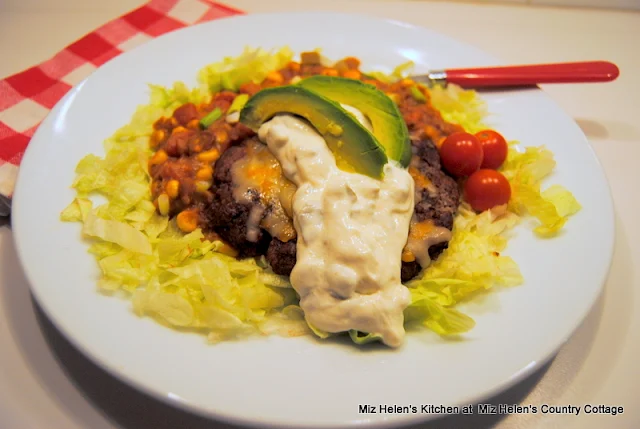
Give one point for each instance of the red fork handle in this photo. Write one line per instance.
(577, 72)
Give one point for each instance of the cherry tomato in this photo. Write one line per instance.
(461, 154)
(494, 148)
(486, 189)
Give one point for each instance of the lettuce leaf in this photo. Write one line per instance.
(399, 72)
(460, 106)
(563, 200)
(525, 172)
(180, 280)
(472, 264)
(116, 232)
(363, 338)
(77, 211)
(318, 332)
(440, 319)
(253, 65)
(172, 308)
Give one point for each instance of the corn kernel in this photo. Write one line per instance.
(341, 66)
(187, 220)
(228, 250)
(209, 156)
(193, 124)
(352, 74)
(157, 136)
(172, 188)
(163, 204)
(178, 129)
(203, 185)
(430, 130)
(335, 129)
(330, 72)
(352, 62)
(394, 97)
(294, 67)
(158, 158)
(205, 173)
(221, 136)
(275, 76)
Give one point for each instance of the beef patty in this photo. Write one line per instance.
(230, 218)
(436, 200)
(437, 203)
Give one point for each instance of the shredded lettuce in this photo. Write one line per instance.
(170, 98)
(253, 65)
(120, 233)
(399, 72)
(525, 172)
(77, 211)
(319, 332)
(564, 201)
(472, 264)
(180, 280)
(363, 338)
(442, 320)
(183, 281)
(460, 106)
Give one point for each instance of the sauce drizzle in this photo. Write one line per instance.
(351, 233)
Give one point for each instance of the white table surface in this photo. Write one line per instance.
(45, 383)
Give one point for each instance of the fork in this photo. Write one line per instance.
(522, 75)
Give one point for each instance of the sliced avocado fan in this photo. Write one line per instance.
(354, 147)
(385, 117)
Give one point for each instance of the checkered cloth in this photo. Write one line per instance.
(27, 97)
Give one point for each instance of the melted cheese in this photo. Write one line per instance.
(423, 235)
(260, 171)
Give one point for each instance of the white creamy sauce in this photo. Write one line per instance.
(232, 118)
(351, 233)
(359, 116)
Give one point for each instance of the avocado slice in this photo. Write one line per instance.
(354, 147)
(385, 117)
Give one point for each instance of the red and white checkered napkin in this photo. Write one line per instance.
(27, 97)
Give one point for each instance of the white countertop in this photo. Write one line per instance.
(45, 383)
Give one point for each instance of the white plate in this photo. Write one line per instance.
(302, 382)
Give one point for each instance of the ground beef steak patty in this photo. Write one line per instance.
(437, 199)
(437, 203)
(230, 218)
(282, 256)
